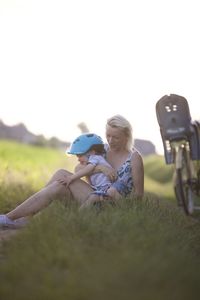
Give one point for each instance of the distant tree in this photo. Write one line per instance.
(83, 127)
(54, 142)
(40, 141)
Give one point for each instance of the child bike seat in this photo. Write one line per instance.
(174, 118)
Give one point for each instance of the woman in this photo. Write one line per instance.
(126, 162)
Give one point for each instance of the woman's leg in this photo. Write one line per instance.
(38, 201)
(78, 190)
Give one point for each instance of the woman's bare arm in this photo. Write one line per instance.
(138, 174)
(108, 171)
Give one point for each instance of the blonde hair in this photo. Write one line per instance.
(120, 122)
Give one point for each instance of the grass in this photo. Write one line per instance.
(136, 250)
(158, 177)
(25, 169)
(157, 169)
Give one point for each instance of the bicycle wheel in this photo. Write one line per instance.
(183, 186)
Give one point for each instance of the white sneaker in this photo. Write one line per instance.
(5, 222)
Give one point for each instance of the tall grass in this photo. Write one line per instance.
(136, 250)
(25, 169)
(156, 168)
(158, 177)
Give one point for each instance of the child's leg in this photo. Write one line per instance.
(113, 193)
(90, 200)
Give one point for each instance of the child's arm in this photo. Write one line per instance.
(80, 167)
(108, 171)
(80, 173)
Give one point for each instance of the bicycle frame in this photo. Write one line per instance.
(181, 141)
(186, 185)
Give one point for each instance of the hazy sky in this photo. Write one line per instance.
(63, 62)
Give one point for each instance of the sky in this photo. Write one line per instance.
(63, 62)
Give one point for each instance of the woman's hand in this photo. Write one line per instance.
(109, 172)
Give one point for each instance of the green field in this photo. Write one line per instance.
(137, 250)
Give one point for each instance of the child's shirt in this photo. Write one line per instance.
(99, 181)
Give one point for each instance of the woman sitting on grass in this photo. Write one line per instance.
(89, 149)
(126, 162)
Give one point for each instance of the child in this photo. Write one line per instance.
(89, 149)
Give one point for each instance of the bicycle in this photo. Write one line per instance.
(181, 141)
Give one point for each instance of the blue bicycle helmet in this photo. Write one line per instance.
(84, 142)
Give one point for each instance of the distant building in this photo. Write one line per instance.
(145, 147)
